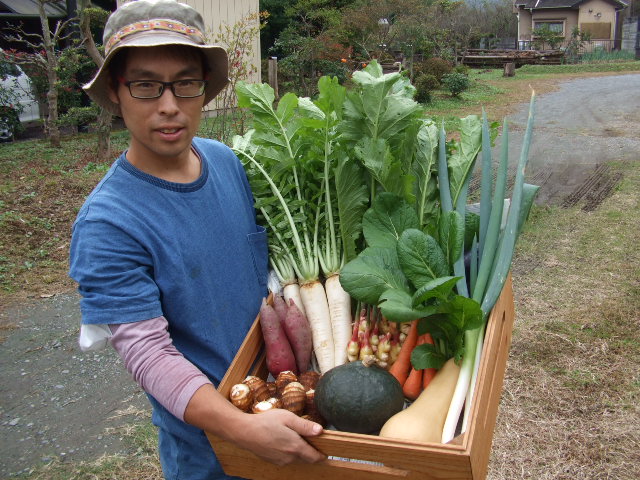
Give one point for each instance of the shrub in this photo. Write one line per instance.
(438, 67)
(425, 83)
(79, 116)
(464, 69)
(456, 83)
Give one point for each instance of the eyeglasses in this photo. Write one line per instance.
(187, 88)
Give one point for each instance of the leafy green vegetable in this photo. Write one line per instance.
(374, 271)
(421, 258)
(397, 305)
(424, 171)
(451, 231)
(461, 162)
(438, 288)
(387, 218)
(380, 123)
(353, 200)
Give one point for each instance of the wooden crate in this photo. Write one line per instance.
(377, 458)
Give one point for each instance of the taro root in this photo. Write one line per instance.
(263, 406)
(309, 379)
(241, 396)
(309, 403)
(283, 379)
(294, 398)
(258, 387)
(272, 388)
(276, 402)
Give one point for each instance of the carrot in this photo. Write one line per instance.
(401, 367)
(429, 373)
(413, 385)
(415, 381)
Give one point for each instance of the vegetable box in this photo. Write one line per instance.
(369, 457)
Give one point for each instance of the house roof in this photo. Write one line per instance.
(29, 8)
(539, 4)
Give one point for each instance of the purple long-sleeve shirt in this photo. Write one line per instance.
(151, 358)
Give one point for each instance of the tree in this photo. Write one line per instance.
(44, 57)
(306, 47)
(374, 28)
(277, 21)
(104, 121)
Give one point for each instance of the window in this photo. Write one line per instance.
(555, 26)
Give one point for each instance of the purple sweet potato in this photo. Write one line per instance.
(298, 331)
(280, 306)
(279, 354)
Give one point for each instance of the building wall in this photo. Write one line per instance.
(598, 12)
(568, 17)
(524, 25)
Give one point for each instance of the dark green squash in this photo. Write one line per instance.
(358, 397)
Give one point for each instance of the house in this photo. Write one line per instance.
(598, 18)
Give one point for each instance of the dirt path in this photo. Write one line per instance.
(578, 128)
(56, 402)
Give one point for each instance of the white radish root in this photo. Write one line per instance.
(291, 291)
(340, 313)
(315, 303)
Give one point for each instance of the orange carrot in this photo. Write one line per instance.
(401, 367)
(415, 381)
(413, 385)
(429, 373)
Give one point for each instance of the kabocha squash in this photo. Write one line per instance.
(358, 397)
(424, 419)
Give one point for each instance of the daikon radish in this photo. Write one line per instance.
(315, 304)
(291, 291)
(340, 313)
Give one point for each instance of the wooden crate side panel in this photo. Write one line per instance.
(408, 465)
(490, 380)
(249, 359)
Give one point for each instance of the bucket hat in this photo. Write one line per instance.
(152, 23)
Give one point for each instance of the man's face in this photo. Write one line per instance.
(161, 128)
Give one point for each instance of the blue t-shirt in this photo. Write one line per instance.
(143, 247)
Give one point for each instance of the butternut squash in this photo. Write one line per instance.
(423, 420)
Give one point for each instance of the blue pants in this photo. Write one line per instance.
(191, 459)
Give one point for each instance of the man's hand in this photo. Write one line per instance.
(277, 436)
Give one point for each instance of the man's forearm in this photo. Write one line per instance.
(156, 365)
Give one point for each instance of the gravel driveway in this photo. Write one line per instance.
(584, 124)
(57, 402)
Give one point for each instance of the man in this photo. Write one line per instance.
(166, 252)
